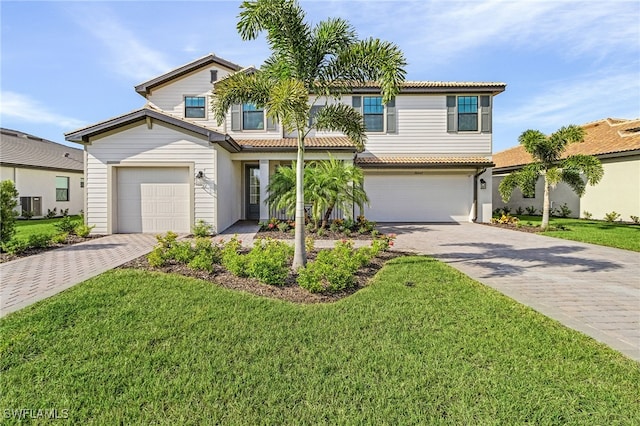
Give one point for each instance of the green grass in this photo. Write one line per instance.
(25, 228)
(137, 347)
(619, 235)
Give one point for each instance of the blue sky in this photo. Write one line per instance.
(68, 64)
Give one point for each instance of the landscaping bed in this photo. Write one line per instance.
(69, 241)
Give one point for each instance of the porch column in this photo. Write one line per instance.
(264, 182)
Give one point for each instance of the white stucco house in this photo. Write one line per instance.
(616, 142)
(47, 175)
(168, 164)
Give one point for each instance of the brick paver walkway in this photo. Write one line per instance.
(30, 279)
(590, 288)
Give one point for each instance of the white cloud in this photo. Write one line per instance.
(22, 107)
(126, 53)
(581, 99)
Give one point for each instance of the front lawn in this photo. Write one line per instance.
(26, 228)
(612, 234)
(424, 344)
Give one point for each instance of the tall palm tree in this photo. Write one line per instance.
(547, 152)
(308, 65)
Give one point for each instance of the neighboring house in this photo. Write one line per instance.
(616, 143)
(46, 174)
(168, 165)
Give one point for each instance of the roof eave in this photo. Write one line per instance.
(422, 165)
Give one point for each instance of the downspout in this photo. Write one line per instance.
(475, 193)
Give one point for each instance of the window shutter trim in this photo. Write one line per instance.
(485, 105)
(236, 111)
(451, 114)
(391, 116)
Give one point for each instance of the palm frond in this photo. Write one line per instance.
(525, 179)
(345, 119)
(572, 178)
(588, 165)
(239, 88)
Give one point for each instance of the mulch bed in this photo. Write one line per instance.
(327, 235)
(290, 291)
(71, 240)
(521, 228)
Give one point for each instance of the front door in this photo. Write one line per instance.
(252, 191)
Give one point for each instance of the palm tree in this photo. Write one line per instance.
(547, 152)
(316, 64)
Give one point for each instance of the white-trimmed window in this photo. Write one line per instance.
(194, 107)
(469, 113)
(249, 117)
(378, 118)
(62, 188)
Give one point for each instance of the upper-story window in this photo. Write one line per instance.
(378, 117)
(252, 117)
(373, 113)
(469, 113)
(194, 107)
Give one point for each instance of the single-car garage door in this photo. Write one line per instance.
(153, 199)
(419, 197)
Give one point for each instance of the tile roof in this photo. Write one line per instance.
(372, 161)
(607, 136)
(436, 87)
(340, 142)
(22, 149)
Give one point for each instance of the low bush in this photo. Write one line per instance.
(506, 219)
(202, 229)
(39, 240)
(269, 261)
(82, 230)
(587, 215)
(8, 214)
(635, 219)
(27, 214)
(563, 211)
(180, 251)
(205, 255)
(15, 246)
(612, 217)
(531, 210)
(67, 224)
(60, 238)
(158, 256)
(51, 213)
(232, 259)
(519, 211)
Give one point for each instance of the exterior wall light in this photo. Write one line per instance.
(483, 184)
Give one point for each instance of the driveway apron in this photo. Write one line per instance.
(590, 288)
(33, 278)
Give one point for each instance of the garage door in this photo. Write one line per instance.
(419, 197)
(153, 199)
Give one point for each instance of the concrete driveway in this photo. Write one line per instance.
(592, 289)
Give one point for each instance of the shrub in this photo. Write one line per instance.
(202, 229)
(309, 243)
(635, 219)
(232, 259)
(268, 261)
(158, 256)
(506, 219)
(66, 224)
(206, 254)
(531, 210)
(82, 230)
(283, 227)
(180, 251)
(587, 215)
(8, 214)
(27, 214)
(333, 270)
(564, 210)
(39, 240)
(15, 246)
(60, 238)
(519, 211)
(51, 213)
(611, 217)
(64, 212)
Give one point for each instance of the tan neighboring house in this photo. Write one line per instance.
(46, 174)
(616, 142)
(169, 165)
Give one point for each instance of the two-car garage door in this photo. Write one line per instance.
(419, 197)
(153, 199)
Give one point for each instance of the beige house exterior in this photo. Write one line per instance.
(169, 165)
(46, 174)
(616, 142)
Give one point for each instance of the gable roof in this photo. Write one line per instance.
(22, 149)
(145, 88)
(83, 135)
(615, 137)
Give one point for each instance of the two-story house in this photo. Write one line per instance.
(168, 165)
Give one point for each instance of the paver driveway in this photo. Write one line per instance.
(592, 289)
(27, 280)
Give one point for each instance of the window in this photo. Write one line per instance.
(252, 117)
(373, 113)
(62, 188)
(194, 107)
(469, 113)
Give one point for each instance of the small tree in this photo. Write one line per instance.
(8, 213)
(547, 152)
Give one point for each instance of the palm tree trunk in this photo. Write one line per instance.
(545, 206)
(327, 215)
(299, 254)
